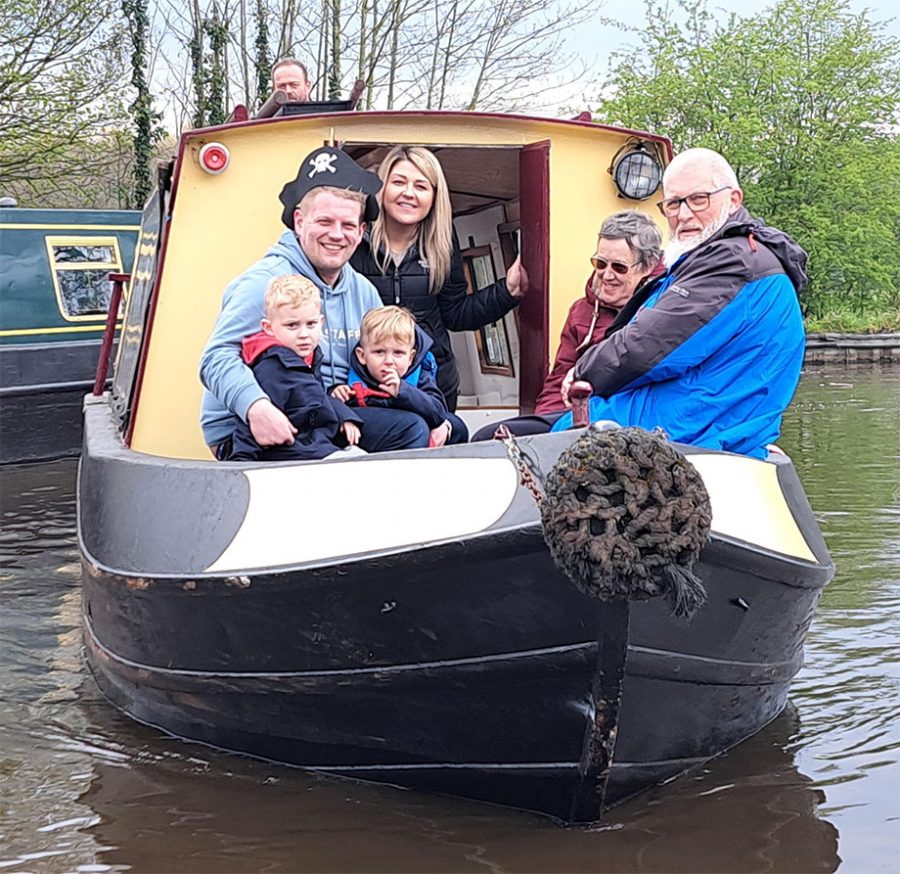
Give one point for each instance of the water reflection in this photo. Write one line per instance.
(177, 814)
(88, 789)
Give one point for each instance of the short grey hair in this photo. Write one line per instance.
(290, 62)
(639, 231)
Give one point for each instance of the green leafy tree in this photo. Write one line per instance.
(61, 99)
(334, 68)
(804, 101)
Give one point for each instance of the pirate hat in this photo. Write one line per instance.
(332, 167)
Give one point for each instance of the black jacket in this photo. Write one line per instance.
(295, 387)
(452, 308)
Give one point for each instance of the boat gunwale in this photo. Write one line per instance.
(387, 114)
(109, 447)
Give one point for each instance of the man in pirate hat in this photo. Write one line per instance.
(324, 209)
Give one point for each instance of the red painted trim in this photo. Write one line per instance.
(109, 332)
(534, 310)
(207, 132)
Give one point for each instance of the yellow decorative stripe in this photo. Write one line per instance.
(748, 504)
(30, 332)
(17, 227)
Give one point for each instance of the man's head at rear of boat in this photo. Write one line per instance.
(291, 76)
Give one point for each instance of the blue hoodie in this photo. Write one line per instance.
(230, 385)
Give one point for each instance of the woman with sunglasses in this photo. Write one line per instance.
(412, 256)
(629, 253)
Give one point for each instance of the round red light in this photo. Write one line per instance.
(214, 157)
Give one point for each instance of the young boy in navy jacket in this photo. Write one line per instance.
(285, 358)
(392, 366)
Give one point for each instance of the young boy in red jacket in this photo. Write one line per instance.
(285, 357)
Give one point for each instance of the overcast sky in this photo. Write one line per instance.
(593, 41)
(631, 12)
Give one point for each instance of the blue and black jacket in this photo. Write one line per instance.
(710, 352)
(295, 387)
(419, 392)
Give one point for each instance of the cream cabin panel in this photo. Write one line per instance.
(221, 224)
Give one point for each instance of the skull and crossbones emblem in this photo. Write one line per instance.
(322, 163)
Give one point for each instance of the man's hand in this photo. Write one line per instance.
(568, 379)
(351, 432)
(517, 280)
(441, 434)
(391, 383)
(268, 425)
(342, 393)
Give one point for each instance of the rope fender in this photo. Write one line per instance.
(625, 517)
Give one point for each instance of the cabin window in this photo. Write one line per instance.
(494, 350)
(80, 267)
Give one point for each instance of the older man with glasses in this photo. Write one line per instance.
(711, 351)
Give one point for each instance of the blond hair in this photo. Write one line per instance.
(435, 234)
(346, 193)
(290, 290)
(388, 323)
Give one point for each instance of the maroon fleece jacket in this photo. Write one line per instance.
(588, 320)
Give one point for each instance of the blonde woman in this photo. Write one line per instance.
(412, 256)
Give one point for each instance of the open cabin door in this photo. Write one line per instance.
(534, 310)
(503, 364)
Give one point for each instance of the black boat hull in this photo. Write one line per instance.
(467, 667)
(42, 389)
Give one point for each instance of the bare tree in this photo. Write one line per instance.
(438, 54)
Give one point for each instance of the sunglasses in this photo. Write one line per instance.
(600, 264)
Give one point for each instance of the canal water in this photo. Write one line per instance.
(86, 789)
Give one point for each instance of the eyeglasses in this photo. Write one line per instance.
(600, 264)
(696, 202)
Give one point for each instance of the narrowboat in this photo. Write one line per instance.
(437, 646)
(54, 297)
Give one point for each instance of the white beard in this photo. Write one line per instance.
(676, 248)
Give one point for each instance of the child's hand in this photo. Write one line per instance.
(441, 434)
(342, 393)
(391, 383)
(351, 430)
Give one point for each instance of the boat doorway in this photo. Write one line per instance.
(500, 205)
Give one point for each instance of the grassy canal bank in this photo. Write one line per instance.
(853, 337)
